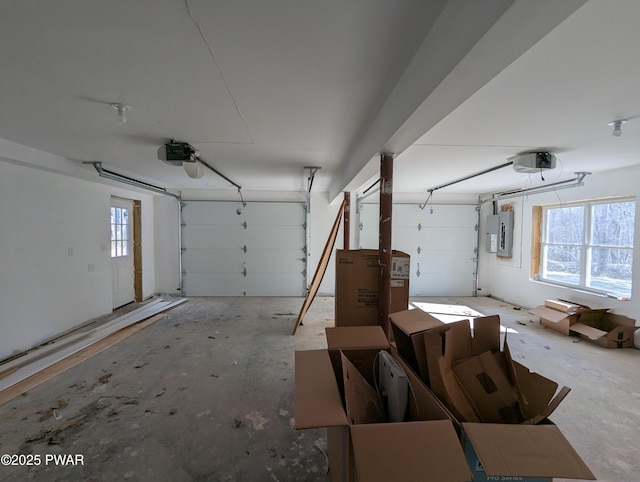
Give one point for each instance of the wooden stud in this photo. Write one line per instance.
(347, 221)
(384, 245)
(536, 241)
(320, 270)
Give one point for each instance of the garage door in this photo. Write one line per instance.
(441, 240)
(257, 251)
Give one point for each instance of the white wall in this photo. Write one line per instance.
(508, 279)
(55, 265)
(167, 245)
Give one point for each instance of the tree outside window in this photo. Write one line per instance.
(589, 245)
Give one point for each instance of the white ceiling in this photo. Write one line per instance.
(263, 89)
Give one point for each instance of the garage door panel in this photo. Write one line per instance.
(446, 262)
(256, 253)
(208, 212)
(441, 240)
(274, 261)
(213, 284)
(213, 260)
(443, 216)
(449, 239)
(204, 236)
(274, 214)
(262, 284)
(368, 227)
(285, 237)
(444, 284)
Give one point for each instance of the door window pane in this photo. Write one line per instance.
(119, 232)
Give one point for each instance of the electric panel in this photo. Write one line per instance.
(491, 239)
(505, 234)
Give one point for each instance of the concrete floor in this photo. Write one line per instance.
(207, 393)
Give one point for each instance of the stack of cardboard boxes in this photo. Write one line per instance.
(478, 415)
(473, 413)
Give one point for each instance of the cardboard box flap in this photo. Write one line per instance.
(356, 337)
(414, 321)
(622, 321)
(549, 314)
(592, 316)
(425, 451)
(588, 331)
(525, 451)
(458, 343)
(486, 334)
(423, 405)
(317, 402)
(493, 397)
(553, 404)
(536, 392)
(452, 395)
(362, 402)
(564, 306)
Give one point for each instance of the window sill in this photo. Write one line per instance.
(598, 294)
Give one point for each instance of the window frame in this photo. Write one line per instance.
(586, 246)
(122, 246)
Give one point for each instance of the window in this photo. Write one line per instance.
(588, 245)
(119, 232)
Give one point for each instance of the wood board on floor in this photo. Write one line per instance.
(65, 339)
(321, 269)
(76, 358)
(16, 374)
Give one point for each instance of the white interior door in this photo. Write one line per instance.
(255, 250)
(122, 265)
(441, 240)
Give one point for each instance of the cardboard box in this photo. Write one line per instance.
(507, 451)
(598, 326)
(539, 451)
(606, 329)
(427, 447)
(408, 327)
(424, 448)
(558, 315)
(480, 383)
(357, 273)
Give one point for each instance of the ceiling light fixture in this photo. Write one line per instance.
(617, 126)
(122, 109)
(193, 169)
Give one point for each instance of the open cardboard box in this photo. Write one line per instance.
(408, 328)
(606, 329)
(426, 447)
(598, 326)
(498, 400)
(559, 315)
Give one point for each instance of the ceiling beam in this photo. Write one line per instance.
(469, 44)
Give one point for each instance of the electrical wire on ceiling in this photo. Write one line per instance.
(215, 61)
